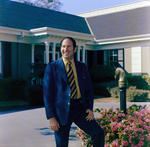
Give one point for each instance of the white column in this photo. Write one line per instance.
(53, 52)
(47, 52)
(83, 54)
(0, 57)
(32, 53)
(78, 53)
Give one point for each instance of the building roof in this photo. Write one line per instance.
(22, 16)
(121, 24)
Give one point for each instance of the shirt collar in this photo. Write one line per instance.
(65, 61)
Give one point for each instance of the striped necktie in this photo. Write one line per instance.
(71, 80)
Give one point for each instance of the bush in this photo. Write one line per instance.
(102, 88)
(132, 129)
(137, 81)
(102, 73)
(12, 89)
(114, 92)
(132, 94)
(34, 94)
(147, 79)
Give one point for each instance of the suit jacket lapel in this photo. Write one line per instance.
(79, 73)
(62, 70)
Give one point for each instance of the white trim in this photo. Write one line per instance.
(32, 52)
(12, 31)
(123, 39)
(114, 9)
(59, 32)
(45, 31)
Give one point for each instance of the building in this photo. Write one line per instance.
(122, 36)
(116, 36)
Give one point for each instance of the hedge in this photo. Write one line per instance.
(141, 82)
(132, 94)
(102, 73)
(34, 94)
(12, 89)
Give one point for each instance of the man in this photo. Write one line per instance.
(68, 97)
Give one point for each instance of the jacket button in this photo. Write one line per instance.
(69, 94)
(68, 103)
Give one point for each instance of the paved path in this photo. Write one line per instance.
(29, 128)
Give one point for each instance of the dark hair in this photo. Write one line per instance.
(73, 41)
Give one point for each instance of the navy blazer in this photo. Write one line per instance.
(57, 93)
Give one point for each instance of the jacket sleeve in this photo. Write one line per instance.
(48, 95)
(88, 93)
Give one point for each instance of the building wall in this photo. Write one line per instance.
(14, 61)
(136, 60)
(145, 60)
(127, 60)
(7, 66)
(24, 60)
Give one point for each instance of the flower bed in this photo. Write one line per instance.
(130, 130)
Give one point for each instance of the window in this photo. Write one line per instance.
(114, 58)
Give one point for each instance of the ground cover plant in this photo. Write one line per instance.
(122, 130)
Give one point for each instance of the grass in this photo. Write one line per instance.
(12, 103)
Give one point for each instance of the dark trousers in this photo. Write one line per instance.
(78, 115)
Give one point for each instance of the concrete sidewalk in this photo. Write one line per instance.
(29, 128)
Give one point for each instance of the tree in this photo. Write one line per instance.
(49, 4)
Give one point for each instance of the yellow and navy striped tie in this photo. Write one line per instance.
(71, 80)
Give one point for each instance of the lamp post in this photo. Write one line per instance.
(120, 74)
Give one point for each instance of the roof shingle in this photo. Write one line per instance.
(26, 17)
(121, 24)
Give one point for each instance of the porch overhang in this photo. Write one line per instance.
(59, 32)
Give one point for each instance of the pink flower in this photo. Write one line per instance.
(102, 121)
(114, 128)
(136, 113)
(148, 136)
(115, 143)
(141, 143)
(140, 130)
(112, 134)
(130, 138)
(125, 143)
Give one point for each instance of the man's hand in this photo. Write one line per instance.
(54, 124)
(90, 115)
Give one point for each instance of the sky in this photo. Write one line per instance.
(79, 6)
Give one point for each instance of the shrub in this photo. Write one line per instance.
(114, 92)
(102, 73)
(34, 94)
(102, 88)
(12, 89)
(132, 94)
(147, 79)
(137, 81)
(132, 129)
(137, 95)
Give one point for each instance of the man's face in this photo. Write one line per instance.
(67, 49)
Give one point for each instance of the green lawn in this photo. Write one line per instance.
(12, 103)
